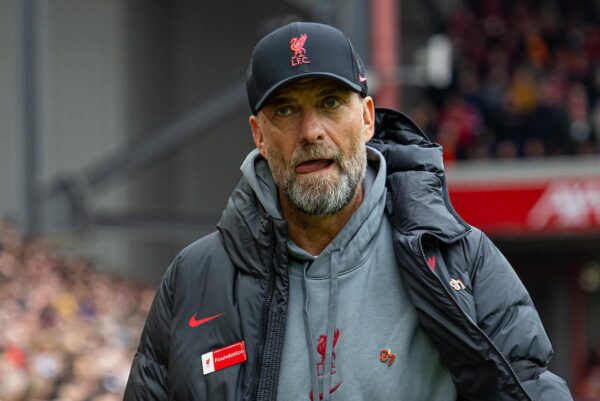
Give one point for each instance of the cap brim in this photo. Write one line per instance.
(352, 85)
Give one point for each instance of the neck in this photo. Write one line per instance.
(314, 233)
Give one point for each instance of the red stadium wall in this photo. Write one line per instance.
(532, 207)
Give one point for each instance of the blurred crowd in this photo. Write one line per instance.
(68, 332)
(587, 387)
(526, 81)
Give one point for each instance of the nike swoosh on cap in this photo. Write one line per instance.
(197, 322)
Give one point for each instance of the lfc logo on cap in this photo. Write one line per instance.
(297, 46)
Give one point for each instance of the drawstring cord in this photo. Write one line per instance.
(331, 323)
(312, 358)
(331, 327)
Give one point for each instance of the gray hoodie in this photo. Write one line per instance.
(350, 326)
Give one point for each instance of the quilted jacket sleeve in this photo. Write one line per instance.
(507, 315)
(149, 370)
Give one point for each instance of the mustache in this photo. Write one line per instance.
(315, 152)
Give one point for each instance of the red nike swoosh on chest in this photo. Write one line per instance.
(197, 322)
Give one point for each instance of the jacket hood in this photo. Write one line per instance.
(417, 200)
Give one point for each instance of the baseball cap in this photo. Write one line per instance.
(299, 50)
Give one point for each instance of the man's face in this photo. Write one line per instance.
(312, 133)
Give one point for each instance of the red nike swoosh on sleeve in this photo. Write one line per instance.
(197, 322)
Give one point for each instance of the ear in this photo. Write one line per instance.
(257, 135)
(368, 118)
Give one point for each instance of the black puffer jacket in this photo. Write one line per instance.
(468, 298)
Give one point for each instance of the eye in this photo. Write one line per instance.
(283, 111)
(331, 102)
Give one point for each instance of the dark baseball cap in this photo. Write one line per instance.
(299, 50)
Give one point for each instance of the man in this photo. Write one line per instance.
(339, 270)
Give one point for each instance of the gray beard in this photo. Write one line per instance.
(323, 196)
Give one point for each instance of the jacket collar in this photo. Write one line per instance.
(250, 235)
(418, 200)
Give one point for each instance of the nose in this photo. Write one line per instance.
(312, 129)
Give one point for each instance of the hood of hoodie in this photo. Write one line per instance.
(252, 228)
(353, 242)
(368, 216)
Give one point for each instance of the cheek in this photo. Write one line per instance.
(354, 133)
(278, 148)
(273, 137)
(266, 145)
(273, 152)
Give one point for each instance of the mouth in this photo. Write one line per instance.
(311, 166)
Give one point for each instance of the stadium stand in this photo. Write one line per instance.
(68, 331)
(526, 82)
